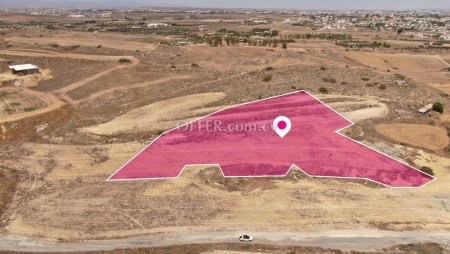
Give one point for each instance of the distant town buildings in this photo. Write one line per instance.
(420, 25)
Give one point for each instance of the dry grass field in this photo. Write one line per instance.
(88, 114)
(431, 137)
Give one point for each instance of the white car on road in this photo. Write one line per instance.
(245, 238)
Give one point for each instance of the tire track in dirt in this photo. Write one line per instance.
(52, 101)
(136, 85)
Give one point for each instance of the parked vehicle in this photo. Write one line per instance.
(245, 238)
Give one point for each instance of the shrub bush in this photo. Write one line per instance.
(267, 78)
(329, 80)
(323, 90)
(427, 170)
(382, 86)
(124, 60)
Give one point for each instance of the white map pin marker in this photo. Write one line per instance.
(281, 125)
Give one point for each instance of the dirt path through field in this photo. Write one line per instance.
(63, 91)
(51, 99)
(356, 108)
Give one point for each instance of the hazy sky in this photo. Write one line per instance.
(295, 4)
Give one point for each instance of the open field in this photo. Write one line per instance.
(84, 39)
(429, 69)
(432, 137)
(91, 113)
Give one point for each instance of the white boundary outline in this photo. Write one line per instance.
(290, 168)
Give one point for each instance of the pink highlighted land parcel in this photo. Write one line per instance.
(240, 139)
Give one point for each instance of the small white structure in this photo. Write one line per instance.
(425, 109)
(156, 25)
(24, 69)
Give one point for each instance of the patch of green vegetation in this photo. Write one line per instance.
(343, 83)
(323, 68)
(329, 80)
(267, 78)
(12, 170)
(159, 133)
(438, 107)
(323, 90)
(293, 87)
(365, 79)
(427, 170)
(8, 110)
(194, 65)
(29, 109)
(270, 68)
(14, 104)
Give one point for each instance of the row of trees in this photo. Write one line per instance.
(265, 32)
(270, 38)
(324, 36)
(217, 40)
(362, 44)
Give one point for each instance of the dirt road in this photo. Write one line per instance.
(365, 240)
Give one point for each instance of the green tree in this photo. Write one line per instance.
(438, 107)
